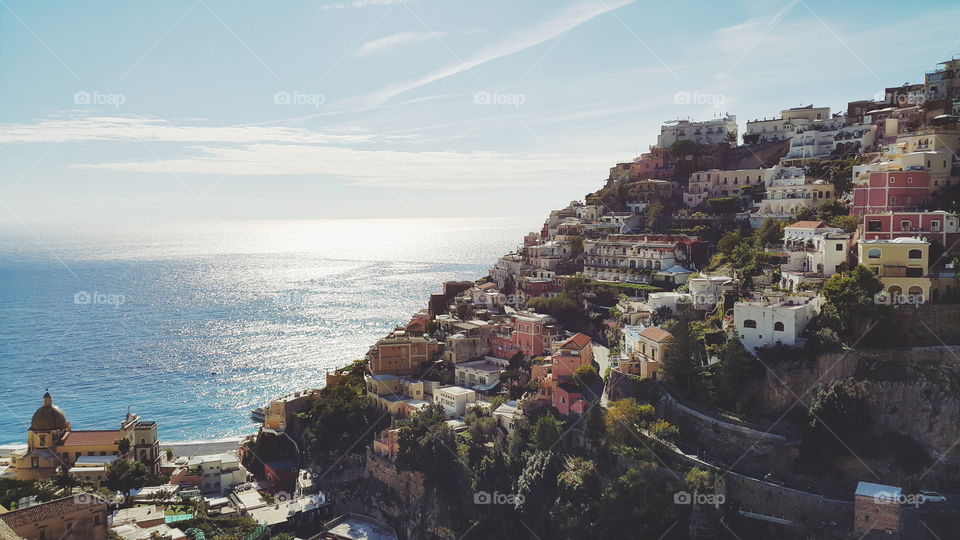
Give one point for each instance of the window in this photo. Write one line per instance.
(909, 180)
(915, 254)
(905, 225)
(914, 272)
(935, 225)
(778, 327)
(749, 323)
(839, 246)
(874, 253)
(874, 225)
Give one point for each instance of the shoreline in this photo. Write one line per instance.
(180, 448)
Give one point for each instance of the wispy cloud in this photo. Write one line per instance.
(566, 20)
(423, 170)
(395, 40)
(115, 128)
(353, 156)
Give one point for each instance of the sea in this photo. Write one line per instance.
(193, 324)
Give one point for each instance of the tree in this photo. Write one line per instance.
(546, 432)
(428, 445)
(831, 209)
(684, 353)
(838, 413)
(654, 213)
(123, 447)
(124, 475)
(596, 427)
(729, 241)
(623, 418)
(848, 223)
(640, 501)
(737, 367)
(769, 232)
(574, 287)
(665, 430)
(586, 377)
(805, 213)
(852, 306)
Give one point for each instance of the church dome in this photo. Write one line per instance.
(48, 417)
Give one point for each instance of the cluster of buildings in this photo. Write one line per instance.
(54, 447)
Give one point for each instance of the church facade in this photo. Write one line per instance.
(52, 445)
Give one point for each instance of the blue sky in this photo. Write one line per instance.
(206, 109)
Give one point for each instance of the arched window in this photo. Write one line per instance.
(749, 323)
(874, 253)
(915, 254)
(778, 327)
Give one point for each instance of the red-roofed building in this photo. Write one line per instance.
(570, 354)
(78, 517)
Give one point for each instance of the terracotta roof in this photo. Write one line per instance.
(577, 341)
(807, 225)
(55, 509)
(104, 437)
(657, 334)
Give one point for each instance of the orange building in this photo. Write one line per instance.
(402, 354)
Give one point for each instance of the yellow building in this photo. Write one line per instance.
(645, 355)
(52, 443)
(902, 264)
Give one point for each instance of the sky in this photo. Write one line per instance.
(115, 112)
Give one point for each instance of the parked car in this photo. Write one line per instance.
(931, 496)
(768, 478)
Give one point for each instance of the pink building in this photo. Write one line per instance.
(570, 354)
(533, 333)
(939, 225)
(655, 164)
(568, 399)
(891, 191)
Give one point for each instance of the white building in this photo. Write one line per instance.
(703, 185)
(789, 191)
(816, 251)
(672, 300)
(507, 415)
(707, 291)
(623, 257)
(705, 132)
(508, 266)
(785, 127)
(454, 399)
(483, 375)
(773, 318)
(218, 473)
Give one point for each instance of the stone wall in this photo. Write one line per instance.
(408, 485)
(799, 507)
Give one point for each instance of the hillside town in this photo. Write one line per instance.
(746, 335)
